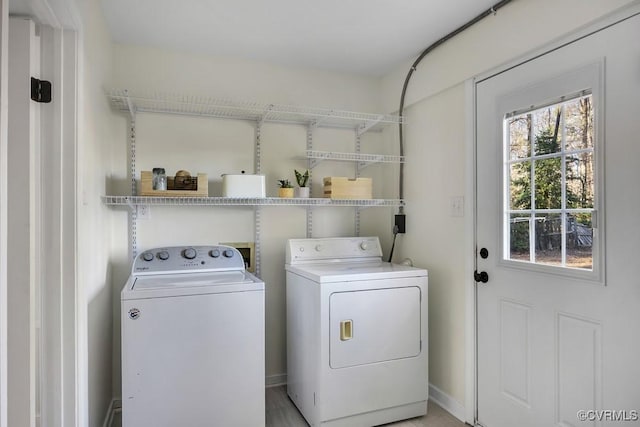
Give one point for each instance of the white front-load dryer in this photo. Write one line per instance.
(356, 333)
(192, 340)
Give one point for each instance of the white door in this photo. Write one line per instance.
(557, 150)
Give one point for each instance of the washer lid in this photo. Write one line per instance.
(352, 271)
(171, 285)
(145, 283)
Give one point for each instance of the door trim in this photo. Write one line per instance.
(64, 390)
(471, 359)
(4, 103)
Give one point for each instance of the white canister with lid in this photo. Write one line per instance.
(243, 185)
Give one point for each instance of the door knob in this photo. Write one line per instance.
(480, 277)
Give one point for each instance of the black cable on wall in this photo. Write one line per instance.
(491, 11)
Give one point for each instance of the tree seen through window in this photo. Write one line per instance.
(551, 184)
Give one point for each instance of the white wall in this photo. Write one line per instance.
(217, 146)
(97, 133)
(435, 171)
(435, 146)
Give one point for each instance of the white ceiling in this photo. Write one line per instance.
(357, 36)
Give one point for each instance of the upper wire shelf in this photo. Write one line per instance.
(125, 100)
(354, 157)
(244, 201)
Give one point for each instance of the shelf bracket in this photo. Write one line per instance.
(132, 108)
(265, 114)
(318, 122)
(364, 165)
(369, 124)
(131, 205)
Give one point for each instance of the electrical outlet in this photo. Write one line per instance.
(144, 211)
(457, 206)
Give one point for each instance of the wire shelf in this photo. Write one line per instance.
(126, 101)
(132, 201)
(354, 157)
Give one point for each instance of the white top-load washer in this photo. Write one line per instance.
(192, 340)
(356, 333)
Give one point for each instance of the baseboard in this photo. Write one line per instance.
(114, 406)
(275, 380)
(447, 403)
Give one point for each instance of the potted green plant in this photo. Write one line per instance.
(302, 178)
(286, 189)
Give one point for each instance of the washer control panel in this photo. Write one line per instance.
(178, 259)
(332, 249)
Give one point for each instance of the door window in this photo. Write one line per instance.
(550, 188)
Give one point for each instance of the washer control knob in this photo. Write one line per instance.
(215, 253)
(189, 253)
(147, 256)
(163, 255)
(318, 248)
(364, 246)
(228, 253)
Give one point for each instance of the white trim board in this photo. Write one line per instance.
(4, 104)
(447, 402)
(275, 380)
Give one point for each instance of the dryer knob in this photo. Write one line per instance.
(163, 255)
(147, 256)
(214, 253)
(364, 246)
(318, 248)
(189, 253)
(228, 253)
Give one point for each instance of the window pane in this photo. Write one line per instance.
(579, 123)
(548, 182)
(547, 135)
(520, 185)
(519, 142)
(580, 241)
(548, 239)
(551, 179)
(519, 237)
(580, 186)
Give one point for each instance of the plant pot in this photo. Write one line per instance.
(285, 193)
(302, 192)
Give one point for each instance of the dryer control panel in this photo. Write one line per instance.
(182, 259)
(333, 249)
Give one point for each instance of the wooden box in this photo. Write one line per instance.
(146, 187)
(339, 187)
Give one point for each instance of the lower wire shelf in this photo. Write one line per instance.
(133, 201)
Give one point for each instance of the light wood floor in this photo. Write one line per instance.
(281, 412)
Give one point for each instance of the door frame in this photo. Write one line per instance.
(471, 307)
(4, 103)
(62, 371)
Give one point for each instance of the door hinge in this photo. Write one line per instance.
(40, 90)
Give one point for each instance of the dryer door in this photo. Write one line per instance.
(374, 325)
